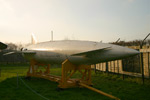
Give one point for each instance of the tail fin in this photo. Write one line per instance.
(3, 46)
(33, 39)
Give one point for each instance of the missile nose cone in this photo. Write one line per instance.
(132, 52)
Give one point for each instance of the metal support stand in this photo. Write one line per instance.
(68, 69)
(33, 69)
(65, 81)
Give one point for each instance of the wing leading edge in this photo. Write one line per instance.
(88, 53)
(21, 52)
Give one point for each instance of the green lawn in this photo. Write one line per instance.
(128, 89)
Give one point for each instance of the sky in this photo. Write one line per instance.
(92, 20)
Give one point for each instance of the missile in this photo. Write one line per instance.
(77, 52)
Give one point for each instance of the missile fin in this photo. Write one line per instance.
(87, 53)
(3, 46)
(33, 39)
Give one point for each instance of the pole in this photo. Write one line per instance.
(0, 72)
(123, 69)
(114, 67)
(102, 67)
(148, 65)
(110, 67)
(118, 66)
(99, 67)
(142, 68)
(141, 58)
(51, 35)
(95, 68)
(17, 81)
(133, 65)
(117, 40)
(98, 91)
(106, 67)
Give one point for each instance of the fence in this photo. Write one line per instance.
(129, 66)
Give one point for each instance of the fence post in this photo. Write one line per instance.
(133, 65)
(114, 66)
(109, 66)
(95, 68)
(0, 72)
(17, 81)
(123, 65)
(141, 58)
(142, 67)
(106, 67)
(118, 66)
(102, 67)
(148, 65)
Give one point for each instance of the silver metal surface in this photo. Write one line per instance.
(78, 52)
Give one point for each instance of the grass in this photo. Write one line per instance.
(128, 89)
